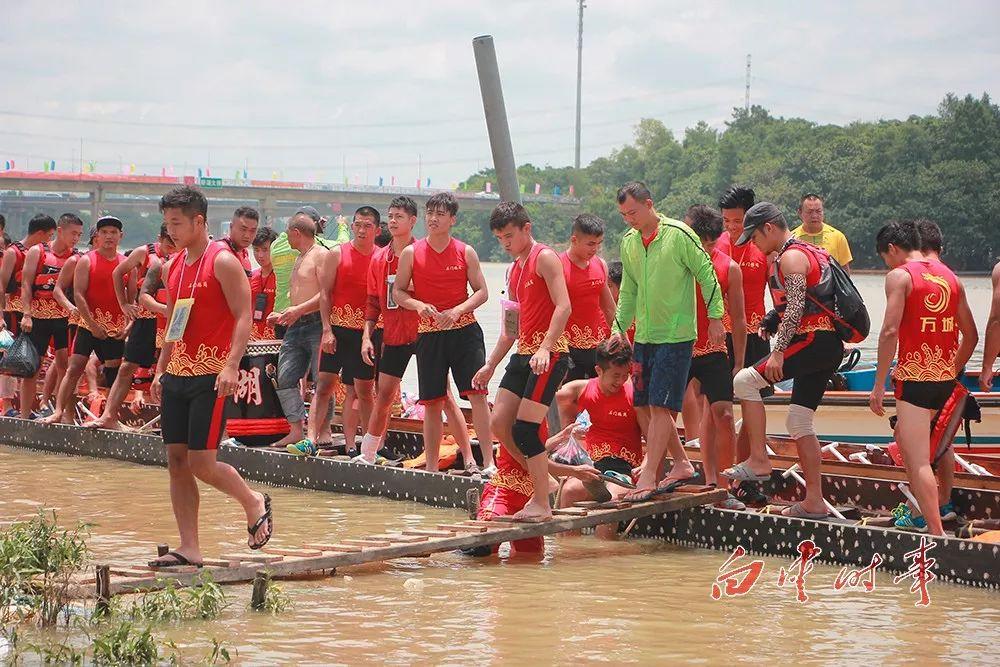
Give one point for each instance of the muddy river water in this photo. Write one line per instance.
(634, 601)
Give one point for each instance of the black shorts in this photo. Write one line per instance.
(582, 364)
(811, 359)
(12, 320)
(55, 330)
(140, 348)
(519, 379)
(347, 359)
(757, 348)
(395, 358)
(191, 412)
(927, 395)
(714, 373)
(462, 351)
(108, 349)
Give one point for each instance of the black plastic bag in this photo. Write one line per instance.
(21, 359)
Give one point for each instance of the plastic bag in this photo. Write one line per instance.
(21, 359)
(572, 453)
(6, 340)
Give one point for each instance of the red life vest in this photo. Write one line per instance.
(819, 285)
(532, 293)
(586, 326)
(13, 287)
(208, 337)
(928, 332)
(43, 303)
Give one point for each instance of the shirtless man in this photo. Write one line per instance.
(304, 329)
(44, 318)
(141, 347)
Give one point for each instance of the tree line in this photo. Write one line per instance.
(945, 167)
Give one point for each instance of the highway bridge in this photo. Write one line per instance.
(23, 194)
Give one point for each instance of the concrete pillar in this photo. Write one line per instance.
(96, 203)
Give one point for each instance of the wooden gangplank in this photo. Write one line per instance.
(406, 542)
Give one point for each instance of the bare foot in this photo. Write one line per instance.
(680, 471)
(533, 513)
(54, 418)
(289, 439)
(106, 424)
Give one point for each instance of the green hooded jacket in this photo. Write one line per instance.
(658, 284)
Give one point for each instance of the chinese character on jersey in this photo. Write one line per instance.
(808, 551)
(920, 571)
(738, 581)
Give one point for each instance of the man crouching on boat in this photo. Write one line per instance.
(614, 439)
(805, 348)
(925, 311)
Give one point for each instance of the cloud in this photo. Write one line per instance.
(393, 83)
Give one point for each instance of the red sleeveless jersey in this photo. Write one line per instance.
(532, 293)
(753, 267)
(259, 285)
(928, 332)
(13, 287)
(400, 323)
(208, 336)
(510, 475)
(100, 295)
(241, 254)
(350, 291)
(152, 250)
(43, 303)
(586, 326)
(442, 280)
(818, 285)
(720, 262)
(614, 429)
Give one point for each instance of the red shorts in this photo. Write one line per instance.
(497, 501)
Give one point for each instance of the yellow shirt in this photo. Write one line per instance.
(830, 239)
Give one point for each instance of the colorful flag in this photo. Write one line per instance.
(131, 168)
(393, 181)
(428, 181)
(52, 167)
(244, 174)
(538, 188)
(380, 181)
(489, 187)
(572, 191)
(46, 166)
(199, 172)
(556, 191)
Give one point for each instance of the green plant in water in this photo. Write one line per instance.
(219, 655)
(205, 599)
(124, 643)
(276, 600)
(37, 562)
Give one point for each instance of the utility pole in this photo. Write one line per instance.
(746, 100)
(579, 79)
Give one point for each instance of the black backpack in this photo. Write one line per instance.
(850, 317)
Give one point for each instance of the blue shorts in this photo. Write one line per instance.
(660, 374)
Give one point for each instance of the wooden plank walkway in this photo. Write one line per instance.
(319, 556)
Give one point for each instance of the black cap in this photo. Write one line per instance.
(758, 214)
(310, 211)
(109, 221)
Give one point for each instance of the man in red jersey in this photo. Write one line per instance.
(589, 292)
(441, 270)
(991, 346)
(43, 317)
(614, 439)
(710, 379)
(208, 313)
(263, 284)
(400, 334)
(538, 310)
(40, 230)
(925, 312)
(242, 230)
(343, 296)
(103, 325)
(140, 346)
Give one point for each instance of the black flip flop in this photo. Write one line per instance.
(179, 560)
(674, 485)
(265, 517)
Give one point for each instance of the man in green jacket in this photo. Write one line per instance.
(661, 260)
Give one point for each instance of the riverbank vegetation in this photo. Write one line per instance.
(41, 620)
(945, 167)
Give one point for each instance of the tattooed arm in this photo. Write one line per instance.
(795, 304)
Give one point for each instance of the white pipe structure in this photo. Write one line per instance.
(793, 473)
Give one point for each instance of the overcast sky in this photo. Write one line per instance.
(301, 88)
